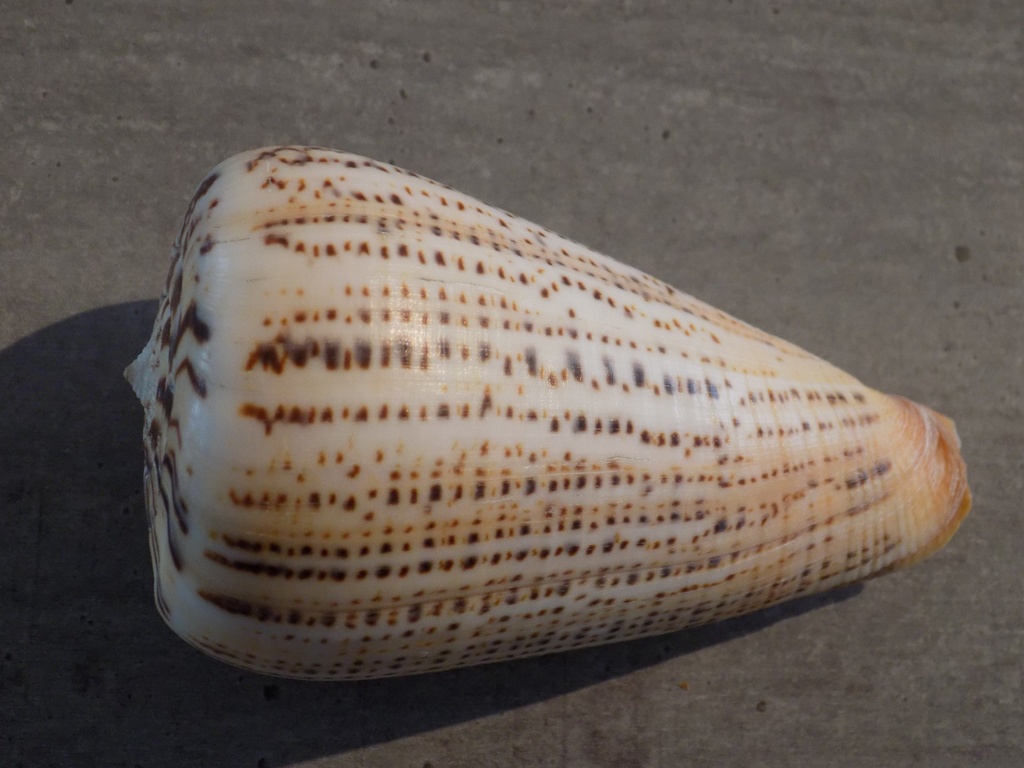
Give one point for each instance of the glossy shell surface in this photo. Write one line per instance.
(391, 429)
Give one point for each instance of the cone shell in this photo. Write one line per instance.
(391, 429)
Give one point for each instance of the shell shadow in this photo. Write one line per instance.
(82, 642)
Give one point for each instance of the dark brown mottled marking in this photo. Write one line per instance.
(362, 354)
(332, 354)
(190, 323)
(531, 360)
(404, 351)
(233, 605)
(169, 465)
(197, 382)
(175, 294)
(203, 188)
(575, 369)
(609, 369)
(860, 477)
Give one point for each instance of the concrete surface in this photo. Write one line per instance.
(850, 179)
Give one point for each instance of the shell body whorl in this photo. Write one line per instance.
(390, 429)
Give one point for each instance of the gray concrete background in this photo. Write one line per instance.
(847, 175)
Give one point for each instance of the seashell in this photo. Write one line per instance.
(391, 429)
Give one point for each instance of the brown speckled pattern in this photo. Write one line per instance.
(391, 429)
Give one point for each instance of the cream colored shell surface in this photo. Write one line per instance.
(391, 429)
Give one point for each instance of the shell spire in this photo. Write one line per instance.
(391, 429)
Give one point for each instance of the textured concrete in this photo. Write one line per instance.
(850, 179)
